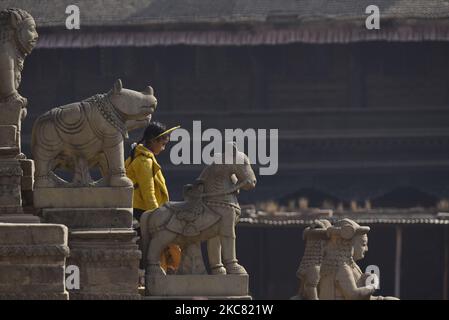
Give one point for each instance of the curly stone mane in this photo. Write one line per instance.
(337, 255)
(312, 255)
(6, 30)
(315, 243)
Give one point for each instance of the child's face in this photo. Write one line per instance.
(158, 145)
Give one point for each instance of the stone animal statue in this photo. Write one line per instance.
(209, 213)
(315, 237)
(87, 132)
(340, 277)
(81, 174)
(18, 37)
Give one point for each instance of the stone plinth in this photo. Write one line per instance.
(89, 218)
(198, 286)
(32, 261)
(16, 187)
(86, 197)
(10, 129)
(108, 261)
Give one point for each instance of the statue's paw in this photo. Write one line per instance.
(120, 181)
(219, 269)
(235, 268)
(155, 270)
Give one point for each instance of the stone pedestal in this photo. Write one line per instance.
(16, 187)
(32, 261)
(87, 197)
(108, 261)
(197, 287)
(101, 239)
(89, 218)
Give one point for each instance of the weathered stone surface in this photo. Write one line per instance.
(108, 261)
(7, 216)
(11, 113)
(10, 175)
(198, 285)
(80, 218)
(32, 261)
(87, 197)
(8, 135)
(32, 234)
(27, 166)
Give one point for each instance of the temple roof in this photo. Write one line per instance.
(51, 13)
(234, 22)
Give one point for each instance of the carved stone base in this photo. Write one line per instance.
(89, 218)
(10, 178)
(16, 187)
(32, 261)
(8, 136)
(198, 286)
(10, 123)
(108, 260)
(83, 197)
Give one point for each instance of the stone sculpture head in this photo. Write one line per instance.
(133, 105)
(19, 25)
(348, 241)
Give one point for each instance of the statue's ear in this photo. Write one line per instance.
(149, 90)
(117, 86)
(15, 19)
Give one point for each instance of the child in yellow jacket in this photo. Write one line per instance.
(150, 190)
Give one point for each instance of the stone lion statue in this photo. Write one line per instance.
(340, 277)
(18, 37)
(209, 213)
(315, 237)
(87, 133)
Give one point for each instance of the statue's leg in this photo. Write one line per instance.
(227, 238)
(214, 253)
(116, 167)
(158, 243)
(42, 175)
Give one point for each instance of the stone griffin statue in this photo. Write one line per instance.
(340, 277)
(88, 133)
(315, 237)
(210, 212)
(18, 37)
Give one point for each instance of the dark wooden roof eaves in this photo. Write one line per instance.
(304, 222)
(51, 13)
(401, 217)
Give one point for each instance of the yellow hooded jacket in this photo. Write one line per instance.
(150, 190)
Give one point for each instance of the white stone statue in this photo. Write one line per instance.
(18, 37)
(340, 277)
(91, 132)
(308, 274)
(210, 212)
